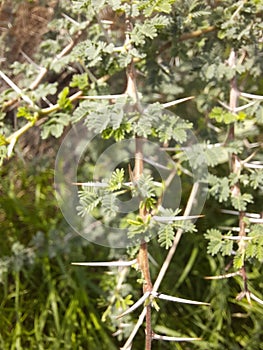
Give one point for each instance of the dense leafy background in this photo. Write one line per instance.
(180, 48)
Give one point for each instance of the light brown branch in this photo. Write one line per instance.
(164, 267)
(176, 241)
(235, 167)
(188, 36)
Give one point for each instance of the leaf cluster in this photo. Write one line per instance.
(245, 250)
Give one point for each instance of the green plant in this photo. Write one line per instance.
(126, 64)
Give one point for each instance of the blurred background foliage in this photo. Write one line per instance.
(45, 302)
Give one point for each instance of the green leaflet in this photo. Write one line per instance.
(148, 7)
(80, 80)
(238, 261)
(207, 154)
(222, 116)
(101, 115)
(166, 235)
(148, 29)
(241, 201)
(217, 243)
(63, 100)
(109, 208)
(92, 52)
(116, 180)
(172, 127)
(55, 125)
(254, 247)
(145, 186)
(256, 178)
(219, 187)
(88, 200)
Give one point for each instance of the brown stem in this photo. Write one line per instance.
(147, 287)
(236, 164)
(187, 36)
(138, 166)
(143, 259)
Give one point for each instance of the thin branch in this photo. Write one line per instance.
(176, 218)
(187, 36)
(254, 297)
(177, 300)
(196, 33)
(241, 108)
(253, 165)
(44, 70)
(255, 97)
(143, 260)
(56, 107)
(238, 238)
(231, 228)
(177, 238)
(106, 263)
(102, 97)
(249, 157)
(237, 10)
(173, 339)
(176, 102)
(235, 212)
(236, 109)
(135, 305)
(12, 139)
(91, 184)
(164, 267)
(15, 136)
(128, 343)
(228, 275)
(18, 90)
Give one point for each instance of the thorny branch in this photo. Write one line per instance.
(143, 259)
(164, 267)
(235, 167)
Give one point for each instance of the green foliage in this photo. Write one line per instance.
(138, 226)
(88, 200)
(35, 249)
(146, 186)
(179, 49)
(149, 7)
(219, 187)
(80, 81)
(166, 236)
(116, 180)
(173, 128)
(101, 116)
(63, 100)
(218, 243)
(254, 248)
(92, 52)
(44, 90)
(55, 125)
(256, 179)
(119, 133)
(241, 201)
(26, 113)
(222, 116)
(148, 29)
